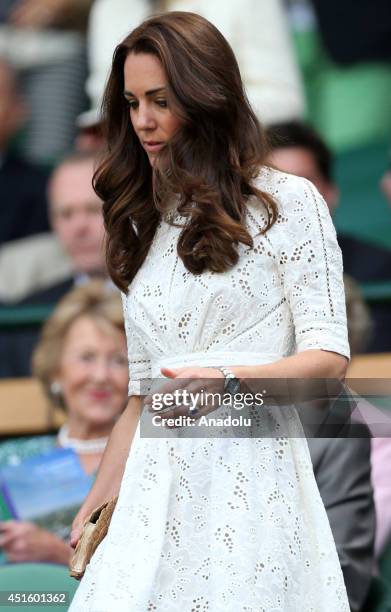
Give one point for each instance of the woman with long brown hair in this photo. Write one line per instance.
(230, 271)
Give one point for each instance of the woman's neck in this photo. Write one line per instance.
(82, 446)
(82, 430)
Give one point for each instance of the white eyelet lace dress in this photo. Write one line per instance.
(227, 524)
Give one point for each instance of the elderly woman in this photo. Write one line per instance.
(82, 363)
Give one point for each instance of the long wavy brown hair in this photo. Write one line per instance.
(209, 166)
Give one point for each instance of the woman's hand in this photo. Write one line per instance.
(23, 541)
(186, 393)
(77, 526)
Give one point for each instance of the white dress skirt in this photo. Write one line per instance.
(228, 524)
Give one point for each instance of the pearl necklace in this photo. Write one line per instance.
(84, 447)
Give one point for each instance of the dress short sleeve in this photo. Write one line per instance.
(310, 265)
(139, 362)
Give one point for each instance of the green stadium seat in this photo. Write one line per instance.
(36, 577)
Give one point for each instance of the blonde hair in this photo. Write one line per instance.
(94, 300)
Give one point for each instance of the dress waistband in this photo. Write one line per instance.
(210, 359)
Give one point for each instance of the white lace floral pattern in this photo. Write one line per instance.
(228, 525)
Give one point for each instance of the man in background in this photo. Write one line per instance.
(75, 213)
(76, 216)
(342, 465)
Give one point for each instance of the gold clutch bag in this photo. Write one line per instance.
(94, 531)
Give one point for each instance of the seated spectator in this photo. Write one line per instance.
(45, 41)
(17, 280)
(82, 363)
(343, 474)
(298, 149)
(74, 248)
(76, 217)
(341, 464)
(23, 210)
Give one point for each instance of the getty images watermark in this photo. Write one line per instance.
(193, 403)
(266, 408)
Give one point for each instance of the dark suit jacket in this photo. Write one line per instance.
(343, 474)
(370, 263)
(364, 261)
(48, 295)
(23, 209)
(17, 344)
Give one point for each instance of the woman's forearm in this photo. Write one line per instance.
(111, 469)
(303, 377)
(308, 364)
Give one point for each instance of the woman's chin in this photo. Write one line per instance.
(152, 158)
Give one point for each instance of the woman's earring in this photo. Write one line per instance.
(56, 389)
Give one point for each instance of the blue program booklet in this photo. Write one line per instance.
(47, 489)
